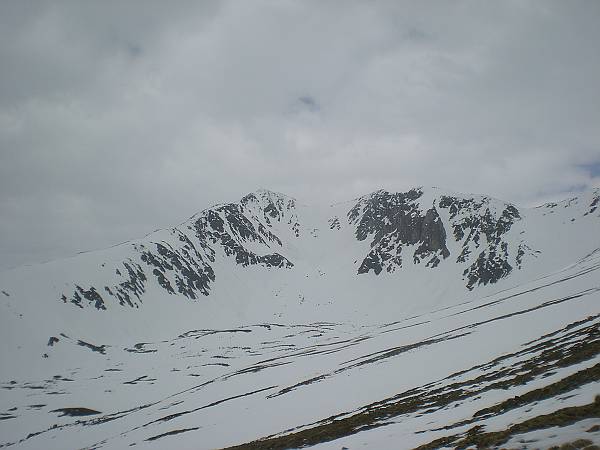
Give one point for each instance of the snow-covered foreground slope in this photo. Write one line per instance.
(392, 321)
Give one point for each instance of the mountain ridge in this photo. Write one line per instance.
(592, 191)
(179, 258)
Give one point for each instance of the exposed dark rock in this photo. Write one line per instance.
(274, 207)
(140, 348)
(88, 294)
(473, 220)
(373, 261)
(488, 268)
(432, 238)
(53, 340)
(133, 284)
(142, 379)
(187, 265)
(594, 204)
(92, 347)
(171, 433)
(524, 250)
(240, 229)
(76, 412)
(162, 280)
(334, 223)
(395, 220)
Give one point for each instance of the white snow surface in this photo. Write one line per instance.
(275, 349)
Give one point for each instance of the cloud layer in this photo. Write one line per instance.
(116, 119)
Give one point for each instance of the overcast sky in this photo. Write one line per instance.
(117, 118)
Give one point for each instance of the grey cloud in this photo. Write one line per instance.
(116, 119)
(592, 168)
(309, 103)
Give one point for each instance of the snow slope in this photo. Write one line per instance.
(388, 321)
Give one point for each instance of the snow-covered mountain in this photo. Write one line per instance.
(393, 320)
